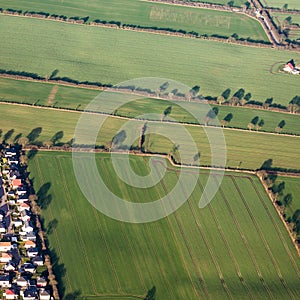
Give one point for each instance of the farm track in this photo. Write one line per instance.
(266, 245)
(276, 227)
(54, 231)
(235, 263)
(247, 246)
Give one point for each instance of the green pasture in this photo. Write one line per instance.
(292, 186)
(150, 14)
(292, 4)
(71, 97)
(235, 247)
(244, 149)
(112, 56)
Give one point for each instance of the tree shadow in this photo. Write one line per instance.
(44, 199)
(17, 137)
(8, 135)
(57, 136)
(72, 296)
(32, 153)
(52, 225)
(34, 134)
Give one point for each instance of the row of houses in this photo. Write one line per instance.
(20, 254)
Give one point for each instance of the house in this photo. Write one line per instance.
(9, 267)
(2, 228)
(290, 67)
(28, 236)
(38, 261)
(22, 191)
(44, 295)
(21, 281)
(41, 282)
(24, 206)
(29, 294)
(16, 183)
(22, 198)
(5, 257)
(27, 227)
(9, 152)
(25, 216)
(28, 267)
(13, 160)
(17, 222)
(5, 246)
(29, 244)
(11, 193)
(4, 281)
(10, 294)
(32, 252)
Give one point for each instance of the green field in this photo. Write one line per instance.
(244, 149)
(150, 14)
(236, 247)
(292, 4)
(295, 19)
(71, 97)
(292, 186)
(112, 56)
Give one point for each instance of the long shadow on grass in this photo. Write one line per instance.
(44, 198)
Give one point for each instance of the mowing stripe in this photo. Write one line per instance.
(235, 263)
(194, 262)
(245, 241)
(204, 238)
(266, 245)
(99, 227)
(125, 236)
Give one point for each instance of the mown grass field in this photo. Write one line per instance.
(112, 56)
(150, 14)
(71, 97)
(235, 247)
(292, 4)
(244, 149)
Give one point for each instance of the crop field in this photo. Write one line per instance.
(244, 149)
(292, 4)
(295, 19)
(150, 14)
(112, 56)
(235, 247)
(71, 97)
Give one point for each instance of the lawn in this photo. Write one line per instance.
(235, 247)
(112, 56)
(150, 14)
(244, 149)
(292, 4)
(71, 97)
